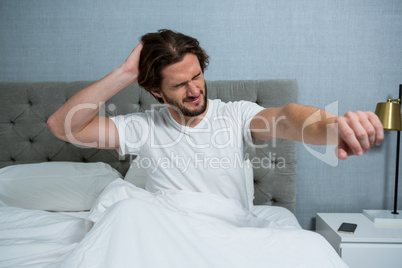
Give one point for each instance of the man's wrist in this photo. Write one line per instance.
(126, 71)
(124, 77)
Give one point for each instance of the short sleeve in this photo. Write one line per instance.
(249, 110)
(133, 132)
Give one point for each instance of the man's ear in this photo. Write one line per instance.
(156, 93)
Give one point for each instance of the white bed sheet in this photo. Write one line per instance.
(27, 236)
(279, 215)
(35, 238)
(134, 228)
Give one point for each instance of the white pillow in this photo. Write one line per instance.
(137, 176)
(54, 186)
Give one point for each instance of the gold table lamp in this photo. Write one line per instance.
(389, 114)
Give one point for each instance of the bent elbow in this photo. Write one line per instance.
(55, 127)
(50, 123)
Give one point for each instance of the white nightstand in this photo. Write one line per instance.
(369, 246)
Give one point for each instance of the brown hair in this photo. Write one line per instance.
(162, 49)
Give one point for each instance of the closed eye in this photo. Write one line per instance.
(195, 77)
(180, 85)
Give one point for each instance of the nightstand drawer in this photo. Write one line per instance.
(369, 246)
(371, 255)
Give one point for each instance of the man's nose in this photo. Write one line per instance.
(192, 89)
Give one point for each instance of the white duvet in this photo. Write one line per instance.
(180, 229)
(134, 228)
(35, 238)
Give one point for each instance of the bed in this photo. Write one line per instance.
(67, 206)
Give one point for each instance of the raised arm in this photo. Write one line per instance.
(355, 133)
(77, 120)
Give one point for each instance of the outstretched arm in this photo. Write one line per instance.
(77, 121)
(355, 133)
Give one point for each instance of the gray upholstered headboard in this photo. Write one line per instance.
(24, 137)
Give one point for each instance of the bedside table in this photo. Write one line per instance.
(369, 246)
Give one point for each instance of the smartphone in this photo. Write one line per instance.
(348, 228)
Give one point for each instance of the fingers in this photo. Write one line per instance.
(379, 130)
(131, 64)
(347, 134)
(134, 56)
(341, 153)
(137, 49)
(365, 131)
(358, 133)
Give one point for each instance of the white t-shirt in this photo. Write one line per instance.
(206, 158)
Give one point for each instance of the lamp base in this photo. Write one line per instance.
(384, 217)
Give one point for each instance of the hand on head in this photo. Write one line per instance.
(131, 64)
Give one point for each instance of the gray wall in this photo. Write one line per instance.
(347, 52)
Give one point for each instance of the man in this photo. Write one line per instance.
(192, 128)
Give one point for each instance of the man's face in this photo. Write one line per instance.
(183, 88)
